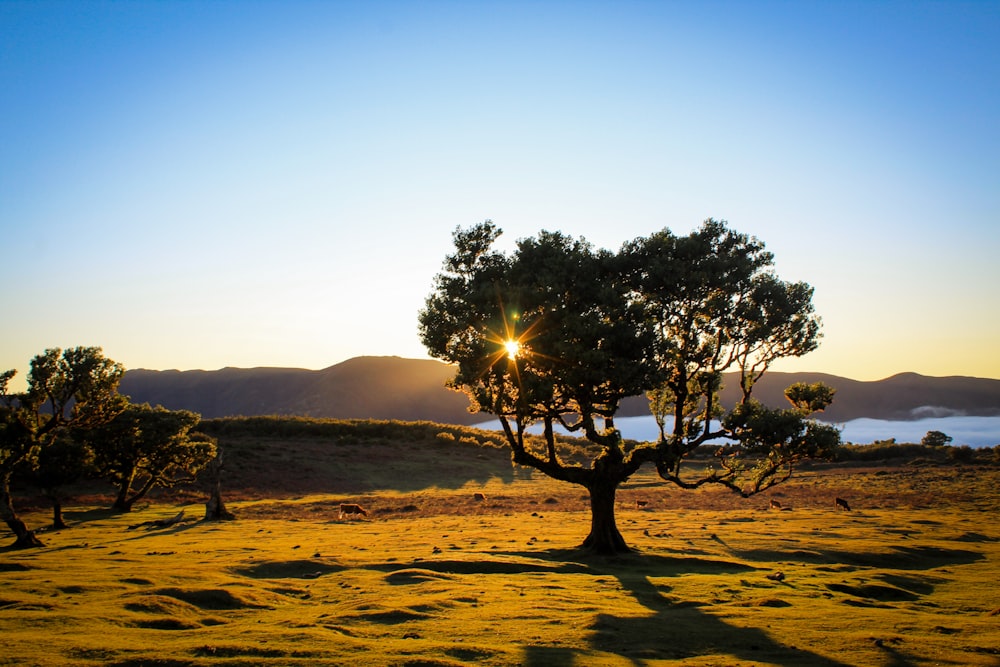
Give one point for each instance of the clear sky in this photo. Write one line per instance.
(209, 184)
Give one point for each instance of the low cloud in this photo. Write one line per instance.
(964, 430)
(935, 412)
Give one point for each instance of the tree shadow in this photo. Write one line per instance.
(676, 629)
(673, 629)
(76, 516)
(916, 557)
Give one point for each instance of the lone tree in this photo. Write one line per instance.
(144, 447)
(935, 439)
(76, 388)
(558, 334)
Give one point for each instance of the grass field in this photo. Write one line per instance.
(433, 577)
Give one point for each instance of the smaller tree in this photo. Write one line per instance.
(215, 509)
(144, 447)
(76, 388)
(935, 439)
(62, 463)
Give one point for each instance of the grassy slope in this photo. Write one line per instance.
(434, 578)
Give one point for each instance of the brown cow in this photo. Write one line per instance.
(352, 509)
(775, 505)
(842, 503)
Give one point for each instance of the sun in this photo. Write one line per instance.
(513, 347)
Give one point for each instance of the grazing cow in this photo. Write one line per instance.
(843, 503)
(775, 505)
(639, 504)
(479, 497)
(352, 509)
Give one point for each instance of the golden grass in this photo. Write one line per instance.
(436, 578)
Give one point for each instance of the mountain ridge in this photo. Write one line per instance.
(370, 387)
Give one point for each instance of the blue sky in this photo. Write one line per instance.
(209, 184)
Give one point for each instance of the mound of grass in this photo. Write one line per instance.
(212, 598)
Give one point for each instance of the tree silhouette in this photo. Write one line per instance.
(665, 316)
(144, 447)
(76, 388)
(935, 439)
(57, 466)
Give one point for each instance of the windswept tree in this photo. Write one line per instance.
(935, 439)
(57, 466)
(558, 334)
(145, 447)
(76, 388)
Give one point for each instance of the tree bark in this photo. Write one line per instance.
(138, 495)
(57, 517)
(25, 538)
(215, 509)
(121, 503)
(604, 537)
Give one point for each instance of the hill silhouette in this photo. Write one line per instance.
(361, 388)
(414, 389)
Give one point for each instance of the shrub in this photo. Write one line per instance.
(961, 454)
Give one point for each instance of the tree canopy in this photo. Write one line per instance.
(143, 447)
(71, 420)
(935, 439)
(76, 387)
(558, 333)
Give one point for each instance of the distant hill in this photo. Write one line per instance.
(361, 388)
(899, 398)
(413, 389)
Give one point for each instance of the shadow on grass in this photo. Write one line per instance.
(673, 630)
(74, 517)
(894, 558)
(289, 569)
(678, 629)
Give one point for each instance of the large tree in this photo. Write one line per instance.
(76, 388)
(558, 334)
(144, 447)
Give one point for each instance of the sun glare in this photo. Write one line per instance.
(513, 347)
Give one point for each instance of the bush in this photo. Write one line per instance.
(884, 450)
(961, 454)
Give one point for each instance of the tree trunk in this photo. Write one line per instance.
(126, 503)
(25, 538)
(604, 537)
(124, 483)
(215, 509)
(121, 503)
(57, 517)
